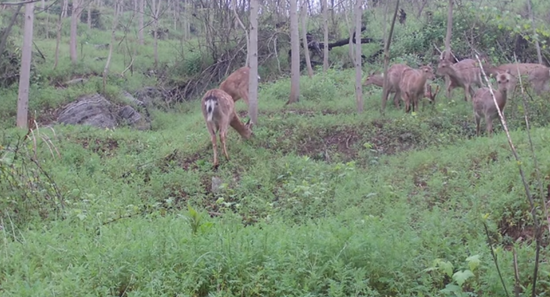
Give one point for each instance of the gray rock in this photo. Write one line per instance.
(216, 184)
(92, 110)
(127, 115)
(151, 96)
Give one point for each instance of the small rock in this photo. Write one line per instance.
(216, 184)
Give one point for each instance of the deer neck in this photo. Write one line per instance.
(241, 128)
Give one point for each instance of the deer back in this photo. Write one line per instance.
(540, 79)
(395, 72)
(236, 83)
(463, 72)
(413, 81)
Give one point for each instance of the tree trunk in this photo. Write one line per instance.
(447, 54)
(140, 21)
(156, 14)
(385, 92)
(58, 40)
(74, 27)
(111, 45)
(303, 16)
(89, 18)
(253, 59)
(325, 36)
(295, 55)
(535, 35)
(64, 8)
(358, 68)
(25, 71)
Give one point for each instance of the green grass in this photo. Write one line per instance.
(322, 201)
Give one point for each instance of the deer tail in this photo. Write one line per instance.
(210, 104)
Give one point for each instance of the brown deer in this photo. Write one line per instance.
(236, 84)
(218, 110)
(463, 74)
(484, 105)
(538, 75)
(540, 80)
(413, 85)
(378, 80)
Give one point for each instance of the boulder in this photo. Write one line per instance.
(127, 115)
(92, 110)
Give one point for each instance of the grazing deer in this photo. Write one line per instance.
(218, 110)
(430, 95)
(236, 84)
(463, 74)
(378, 80)
(413, 85)
(484, 105)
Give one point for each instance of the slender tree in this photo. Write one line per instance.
(156, 15)
(295, 55)
(25, 71)
(111, 44)
(303, 16)
(385, 91)
(140, 21)
(253, 59)
(358, 68)
(325, 35)
(447, 54)
(75, 17)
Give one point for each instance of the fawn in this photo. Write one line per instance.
(218, 109)
(484, 105)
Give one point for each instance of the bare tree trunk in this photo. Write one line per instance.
(447, 54)
(295, 55)
(253, 59)
(64, 8)
(74, 27)
(535, 35)
(303, 13)
(111, 45)
(89, 16)
(358, 68)
(385, 92)
(58, 40)
(156, 14)
(325, 37)
(140, 21)
(25, 71)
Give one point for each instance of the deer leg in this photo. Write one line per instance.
(214, 147)
(396, 99)
(244, 95)
(489, 126)
(223, 135)
(478, 122)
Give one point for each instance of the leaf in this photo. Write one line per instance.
(447, 267)
(473, 262)
(461, 276)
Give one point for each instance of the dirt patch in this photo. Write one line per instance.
(296, 111)
(338, 140)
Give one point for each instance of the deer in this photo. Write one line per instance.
(378, 80)
(236, 84)
(218, 109)
(484, 105)
(537, 74)
(412, 86)
(463, 74)
(430, 95)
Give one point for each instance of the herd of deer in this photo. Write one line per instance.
(411, 85)
(408, 84)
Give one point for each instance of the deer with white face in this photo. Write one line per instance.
(219, 113)
(236, 84)
(484, 105)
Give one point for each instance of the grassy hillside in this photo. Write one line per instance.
(322, 201)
